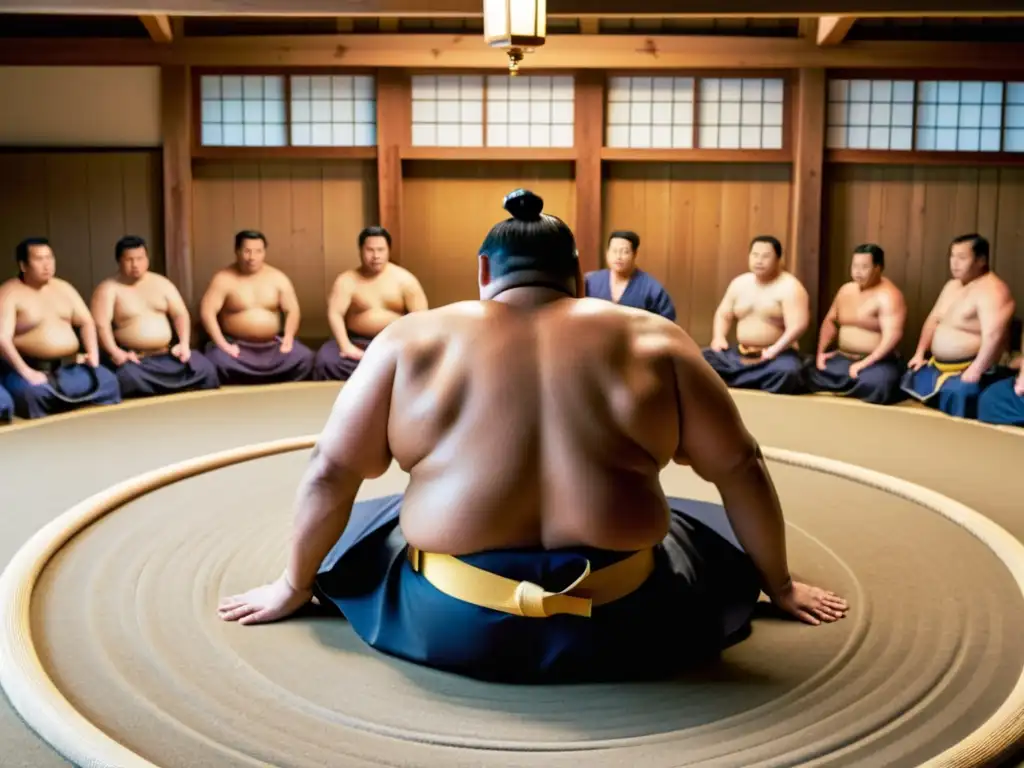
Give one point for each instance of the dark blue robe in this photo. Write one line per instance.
(166, 375)
(329, 365)
(879, 383)
(782, 375)
(999, 404)
(6, 406)
(937, 384)
(69, 386)
(261, 362)
(642, 292)
(699, 599)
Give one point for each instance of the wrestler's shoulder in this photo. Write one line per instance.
(64, 286)
(403, 274)
(791, 283)
(998, 287)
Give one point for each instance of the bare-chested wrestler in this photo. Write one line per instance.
(534, 541)
(1003, 401)
(772, 311)
(870, 314)
(241, 311)
(363, 302)
(44, 324)
(138, 314)
(964, 335)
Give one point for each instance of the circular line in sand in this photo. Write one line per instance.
(44, 708)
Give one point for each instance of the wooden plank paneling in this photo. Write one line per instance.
(450, 206)
(914, 212)
(310, 211)
(695, 224)
(83, 202)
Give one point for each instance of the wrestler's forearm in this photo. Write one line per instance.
(884, 348)
(337, 323)
(183, 329)
(789, 337)
(107, 340)
(755, 514)
(13, 357)
(989, 352)
(213, 329)
(323, 510)
(291, 324)
(826, 335)
(721, 324)
(87, 332)
(927, 334)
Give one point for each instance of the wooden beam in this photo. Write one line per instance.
(394, 118)
(589, 139)
(159, 27)
(808, 164)
(556, 8)
(573, 52)
(176, 121)
(832, 30)
(807, 29)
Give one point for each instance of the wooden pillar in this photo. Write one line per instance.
(176, 129)
(589, 122)
(394, 128)
(806, 208)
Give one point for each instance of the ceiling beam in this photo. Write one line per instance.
(608, 52)
(556, 8)
(832, 30)
(159, 27)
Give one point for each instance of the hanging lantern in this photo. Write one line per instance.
(515, 25)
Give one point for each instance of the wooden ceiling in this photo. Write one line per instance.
(159, 26)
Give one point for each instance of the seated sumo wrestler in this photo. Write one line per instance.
(772, 311)
(534, 542)
(965, 333)
(40, 364)
(1003, 401)
(363, 302)
(6, 406)
(134, 311)
(871, 314)
(241, 311)
(624, 283)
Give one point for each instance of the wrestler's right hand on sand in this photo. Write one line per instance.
(811, 605)
(271, 602)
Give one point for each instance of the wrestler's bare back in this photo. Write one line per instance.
(540, 426)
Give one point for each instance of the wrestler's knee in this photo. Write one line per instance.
(109, 387)
(6, 406)
(201, 364)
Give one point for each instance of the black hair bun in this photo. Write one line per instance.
(524, 205)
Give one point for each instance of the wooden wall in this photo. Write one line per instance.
(310, 211)
(449, 206)
(695, 223)
(914, 212)
(84, 202)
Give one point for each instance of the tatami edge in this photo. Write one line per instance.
(40, 703)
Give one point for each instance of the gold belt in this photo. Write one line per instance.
(470, 584)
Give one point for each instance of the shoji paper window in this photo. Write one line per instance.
(740, 113)
(530, 111)
(870, 114)
(447, 110)
(650, 112)
(242, 111)
(333, 111)
(959, 116)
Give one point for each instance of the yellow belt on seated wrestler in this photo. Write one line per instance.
(959, 367)
(458, 579)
